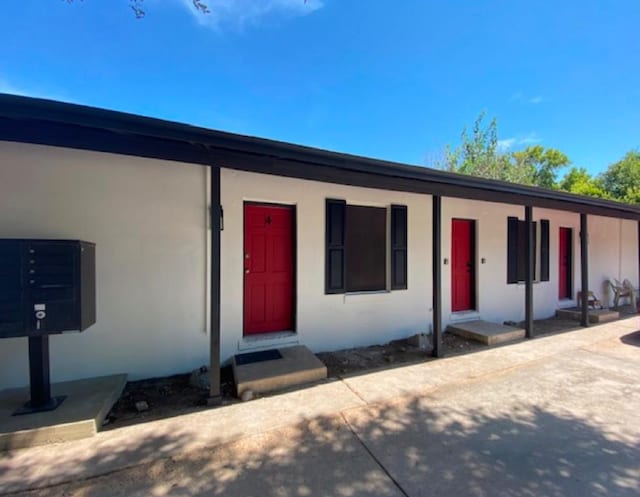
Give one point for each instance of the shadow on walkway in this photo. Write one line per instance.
(428, 451)
(631, 339)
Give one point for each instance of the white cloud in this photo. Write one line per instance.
(239, 13)
(521, 98)
(516, 97)
(529, 139)
(518, 141)
(504, 145)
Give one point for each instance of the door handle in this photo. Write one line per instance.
(246, 270)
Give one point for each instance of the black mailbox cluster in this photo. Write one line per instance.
(46, 287)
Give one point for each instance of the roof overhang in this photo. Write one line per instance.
(46, 122)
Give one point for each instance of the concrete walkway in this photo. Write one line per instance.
(557, 416)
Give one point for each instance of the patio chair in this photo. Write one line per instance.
(619, 292)
(594, 303)
(635, 294)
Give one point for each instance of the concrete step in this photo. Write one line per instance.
(80, 415)
(296, 366)
(486, 332)
(595, 315)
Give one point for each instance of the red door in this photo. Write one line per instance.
(462, 265)
(564, 264)
(268, 268)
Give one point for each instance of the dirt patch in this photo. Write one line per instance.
(397, 352)
(165, 397)
(174, 396)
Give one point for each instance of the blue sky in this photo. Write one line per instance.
(396, 80)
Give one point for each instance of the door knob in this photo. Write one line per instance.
(246, 271)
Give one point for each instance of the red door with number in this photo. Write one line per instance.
(462, 265)
(268, 268)
(564, 264)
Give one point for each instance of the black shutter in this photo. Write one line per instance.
(512, 249)
(399, 247)
(544, 250)
(334, 246)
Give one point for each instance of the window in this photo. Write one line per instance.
(517, 250)
(366, 248)
(358, 248)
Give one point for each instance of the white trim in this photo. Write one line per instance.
(268, 340)
(365, 297)
(460, 316)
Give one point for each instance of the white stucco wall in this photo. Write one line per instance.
(613, 253)
(147, 218)
(324, 322)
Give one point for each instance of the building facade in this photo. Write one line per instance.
(210, 244)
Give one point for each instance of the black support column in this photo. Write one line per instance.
(214, 344)
(438, 350)
(584, 269)
(528, 282)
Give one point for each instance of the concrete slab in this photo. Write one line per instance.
(595, 315)
(112, 450)
(320, 457)
(542, 417)
(486, 332)
(422, 379)
(458, 394)
(297, 366)
(564, 427)
(79, 416)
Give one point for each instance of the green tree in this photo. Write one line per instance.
(541, 164)
(579, 181)
(479, 155)
(621, 180)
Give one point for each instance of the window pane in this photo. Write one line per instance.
(366, 247)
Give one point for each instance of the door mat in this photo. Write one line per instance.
(263, 355)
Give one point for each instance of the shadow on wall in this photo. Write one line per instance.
(443, 452)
